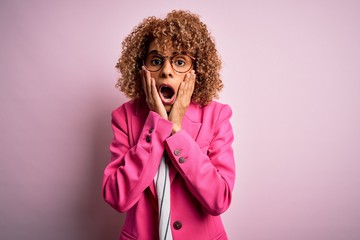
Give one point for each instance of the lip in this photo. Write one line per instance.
(168, 101)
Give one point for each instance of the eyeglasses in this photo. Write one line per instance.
(180, 62)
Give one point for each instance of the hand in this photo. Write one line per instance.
(151, 94)
(182, 101)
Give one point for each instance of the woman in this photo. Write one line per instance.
(172, 166)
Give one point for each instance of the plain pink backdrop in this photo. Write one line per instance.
(291, 74)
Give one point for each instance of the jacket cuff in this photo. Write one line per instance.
(155, 130)
(179, 147)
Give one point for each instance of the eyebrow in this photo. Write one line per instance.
(156, 51)
(153, 51)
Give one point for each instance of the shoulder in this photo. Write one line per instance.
(211, 114)
(124, 109)
(217, 107)
(217, 111)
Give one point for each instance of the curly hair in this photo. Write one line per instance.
(183, 30)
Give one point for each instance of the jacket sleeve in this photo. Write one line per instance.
(132, 168)
(209, 176)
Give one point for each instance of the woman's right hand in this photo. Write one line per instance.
(151, 94)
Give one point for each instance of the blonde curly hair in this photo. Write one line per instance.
(184, 31)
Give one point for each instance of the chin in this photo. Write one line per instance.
(168, 108)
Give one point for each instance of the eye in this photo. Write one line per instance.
(156, 61)
(180, 61)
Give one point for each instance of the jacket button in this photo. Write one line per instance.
(148, 139)
(151, 130)
(181, 160)
(177, 152)
(177, 225)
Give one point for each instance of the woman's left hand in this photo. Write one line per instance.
(182, 101)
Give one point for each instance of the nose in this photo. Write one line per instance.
(167, 70)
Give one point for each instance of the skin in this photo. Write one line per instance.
(182, 83)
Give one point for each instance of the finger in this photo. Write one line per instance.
(189, 87)
(147, 90)
(155, 95)
(181, 89)
(147, 82)
(185, 82)
(192, 82)
(189, 83)
(187, 77)
(143, 81)
(157, 103)
(154, 92)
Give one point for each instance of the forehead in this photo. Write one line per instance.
(167, 49)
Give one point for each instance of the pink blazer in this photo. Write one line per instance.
(201, 182)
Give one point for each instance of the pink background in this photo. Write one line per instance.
(291, 74)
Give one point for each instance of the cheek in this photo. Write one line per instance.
(154, 75)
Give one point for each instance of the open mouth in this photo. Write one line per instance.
(167, 94)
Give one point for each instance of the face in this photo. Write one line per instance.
(168, 69)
